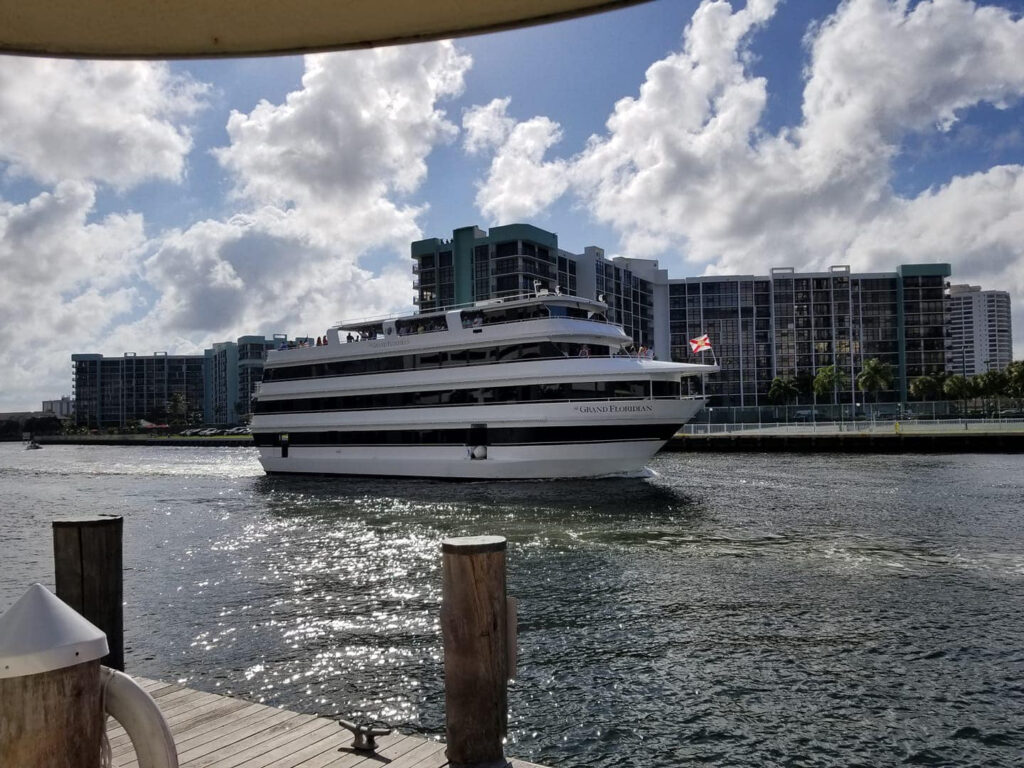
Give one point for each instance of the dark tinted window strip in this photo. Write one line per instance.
(541, 350)
(596, 390)
(497, 436)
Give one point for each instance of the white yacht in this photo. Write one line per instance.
(538, 386)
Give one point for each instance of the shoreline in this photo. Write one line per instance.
(851, 442)
(217, 441)
(738, 442)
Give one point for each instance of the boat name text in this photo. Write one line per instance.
(614, 408)
(382, 344)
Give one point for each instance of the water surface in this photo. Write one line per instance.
(732, 610)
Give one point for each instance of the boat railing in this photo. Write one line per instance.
(492, 323)
(622, 355)
(477, 404)
(440, 311)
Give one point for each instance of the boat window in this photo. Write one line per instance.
(416, 325)
(456, 357)
(666, 388)
(580, 390)
(477, 356)
(507, 353)
(471, 319)
(556, 310)
(532, 351)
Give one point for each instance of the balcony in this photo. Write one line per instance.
(416, 300)
(416, 268)
(416, 284)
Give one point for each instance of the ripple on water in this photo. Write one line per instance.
(763, 610)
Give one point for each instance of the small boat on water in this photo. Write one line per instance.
(32, 445)
(534, 386)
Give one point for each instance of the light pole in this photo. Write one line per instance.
(995, 408)
(963, 372)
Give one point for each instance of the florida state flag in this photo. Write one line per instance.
(700, 343)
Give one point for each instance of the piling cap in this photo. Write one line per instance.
(41, 633)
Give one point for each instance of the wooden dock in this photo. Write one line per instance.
(213, 731)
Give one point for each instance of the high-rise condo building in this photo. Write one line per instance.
(214, 388)
(234, 369)
(792, 324)
(784, 323)
(113, 391)
(475, 265)
(980, 335)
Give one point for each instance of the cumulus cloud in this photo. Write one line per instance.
(685, 170)
(321, 181)
(261, 272)
(67, 281)
(519, 182)
(487, 127)
(71, 274)
(359, 129)
(118, 123)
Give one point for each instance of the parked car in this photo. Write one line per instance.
(209, 432)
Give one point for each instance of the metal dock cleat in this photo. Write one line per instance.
(365, 733)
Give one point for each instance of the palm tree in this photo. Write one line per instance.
(178, 408)
(783, 390)
(805, 384)
(875, 375)
(1015, 380)
(957, 387)
(990, 384)
(925, 388)
(830, 379)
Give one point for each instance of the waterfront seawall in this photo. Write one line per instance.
(857, 442)
(239, 441)
(769, 441)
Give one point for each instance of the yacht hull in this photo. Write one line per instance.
(455, 462)
(485, 446)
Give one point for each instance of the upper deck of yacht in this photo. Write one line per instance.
(495, 320)
(489, 312)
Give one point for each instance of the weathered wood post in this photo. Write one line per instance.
(51, 710)
(473, 628)
(87, 558)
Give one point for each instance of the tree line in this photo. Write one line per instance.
(876, 376)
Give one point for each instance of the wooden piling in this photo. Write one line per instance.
(53, 719)
(473, 628)
(88, 566)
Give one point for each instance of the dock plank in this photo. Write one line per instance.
(218, 731)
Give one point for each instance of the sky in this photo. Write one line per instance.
(164, 206)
